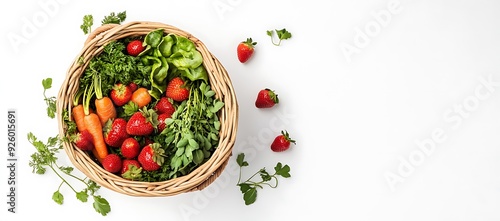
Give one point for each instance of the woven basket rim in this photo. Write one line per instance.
(220, 82)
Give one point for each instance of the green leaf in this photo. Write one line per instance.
(165, 46)
(193, 143)
(66, 169)
(82, 196)
(264, 175)
(88, 21)
(209, 93)
(217, 125)
(244, 187)
(283, 34)
(250, 196)
(58, 197)
(198, 157)
(283, 171)
(182, 143)
(101, 205)
(217, 106)
(154, 38)
(241, 160)
(47, 83)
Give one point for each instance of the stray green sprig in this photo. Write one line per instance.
(50, 101)
(283, 34)
(88, 21)
(113, 18)
(45, 158)
(249, 187)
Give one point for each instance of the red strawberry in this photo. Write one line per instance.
(282, 142)
(177, 90)
(142, 123)
(164, 106)
(151, 157)
(83, 140)
(130, 148)
(131, 169)
(245, 50)
(135, 47)
(112, 163)
(266, 99)
(120, 94)
(161, 121)
(132, 86)
(115, 132)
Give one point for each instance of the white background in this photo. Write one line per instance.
(415, 68)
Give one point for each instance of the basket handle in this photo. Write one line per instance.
(99, 30)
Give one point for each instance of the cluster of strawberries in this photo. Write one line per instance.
(129, 156)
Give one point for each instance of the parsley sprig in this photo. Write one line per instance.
(50, 101)
(283, 34)
(45, 158)
(112, 18)
(249, 187)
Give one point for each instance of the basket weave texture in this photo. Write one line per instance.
(220, 83)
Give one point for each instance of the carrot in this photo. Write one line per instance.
(94, 126)
(104, 106)
(77, 112)
(141, 97)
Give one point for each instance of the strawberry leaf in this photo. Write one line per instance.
(101, 205)
(250, 196)
(82, 196)
(283, 171)
(58, 197)
(241, 160)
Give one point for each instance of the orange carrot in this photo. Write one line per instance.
(94, 126)
(104, 106)
(141, 97)
(77, 112)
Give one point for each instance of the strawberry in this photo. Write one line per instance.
(83, 140)
(151, 157)
(161, 121)
(115, 132)
(130, 148)
(282, 142)
(112, 163)
(177, 90)
(131, 169)
(142, 122)
(132, 86)
(120, 94)
(245, 50)
(164, 106)
(266, 98)
(135, 47)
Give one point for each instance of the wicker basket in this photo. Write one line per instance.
(220, 82)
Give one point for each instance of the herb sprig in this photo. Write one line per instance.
(45, 158)
(283, 34)
(50, 101)
(112, 18)
(249, 187)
